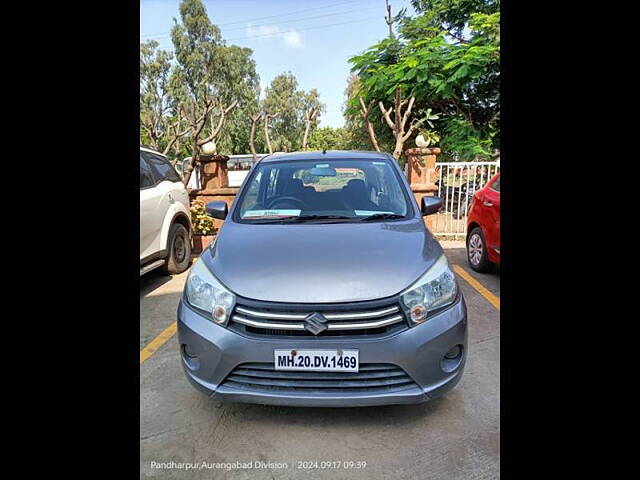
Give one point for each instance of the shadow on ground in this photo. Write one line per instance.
(152, 280)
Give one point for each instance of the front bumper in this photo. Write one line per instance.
(216, 351)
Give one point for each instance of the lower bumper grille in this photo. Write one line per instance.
(372, 377)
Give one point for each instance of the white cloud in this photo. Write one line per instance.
(262, 30)
(290, 38)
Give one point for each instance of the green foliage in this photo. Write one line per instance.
(357, 137)
(468, 143)
(204, 70)
(176, 89)
(430, 136)
(243, 85)
(448, 57)
(282, 96)
(197, 43)
(328, 138)
(155, 68)
(202, 223)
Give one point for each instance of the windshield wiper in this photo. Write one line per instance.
(381, 216)
(302, 218)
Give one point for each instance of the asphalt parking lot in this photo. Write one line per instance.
(453, 437)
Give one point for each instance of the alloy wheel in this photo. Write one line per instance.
(475, 249)
(179, 249)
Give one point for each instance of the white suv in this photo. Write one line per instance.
(165, 219)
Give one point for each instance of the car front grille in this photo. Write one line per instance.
(371, 377)
(333, 321)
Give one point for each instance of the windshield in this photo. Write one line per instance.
(349, 190)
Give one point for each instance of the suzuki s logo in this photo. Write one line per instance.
(315, 323)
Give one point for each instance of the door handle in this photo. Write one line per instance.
(487, 204)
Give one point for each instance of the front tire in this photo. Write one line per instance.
(477, 251)
(179, 250)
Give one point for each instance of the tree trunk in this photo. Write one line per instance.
(266, 132)
(310, 115)
(397, 151)
(186, 175)
(267, 117)
(197, 126)
(398, 127)
(306, 135)
(388, 20)
(372, 136)
(364, 112)
(252, 134)
(175, 137)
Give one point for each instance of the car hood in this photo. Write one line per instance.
(321, 263)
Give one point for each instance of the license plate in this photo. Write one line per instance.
(317, 360)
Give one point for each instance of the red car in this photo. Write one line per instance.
(483, 227)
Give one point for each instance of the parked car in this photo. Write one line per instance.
(194, 180)
(458, 196)
(165, 219)
(483, 227)
(327, 291)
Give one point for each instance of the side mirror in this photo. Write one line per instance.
(431, 205)
(217, 209)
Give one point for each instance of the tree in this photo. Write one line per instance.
(267, 117)
(312, 107)
(242, 83)
(365, 110)
(209, 91)
(399, 127)
(449, 16)
(328, 138)
(252, 135)
(209, 78)
(389, 19)
(160, 120)
(282, 97)
(448, 59)
(364, 128)
(309, 117)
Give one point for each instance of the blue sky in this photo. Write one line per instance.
(311, 38)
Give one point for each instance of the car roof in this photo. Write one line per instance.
(144, 149)
(325, 155)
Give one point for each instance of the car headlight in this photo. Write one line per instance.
(437, 288)
(206, 293)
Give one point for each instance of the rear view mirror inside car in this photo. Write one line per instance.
(323, 171)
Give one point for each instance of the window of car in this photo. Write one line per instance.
(323, 183)
(272, 183)
(253, 189)
(161, 167)
(495, 186)
(146, 177)
(350, 188)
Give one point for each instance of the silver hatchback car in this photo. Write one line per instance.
(323, 287)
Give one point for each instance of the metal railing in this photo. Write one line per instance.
(457, 182)
(239, 166)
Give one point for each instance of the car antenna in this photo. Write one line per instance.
(324, 150)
